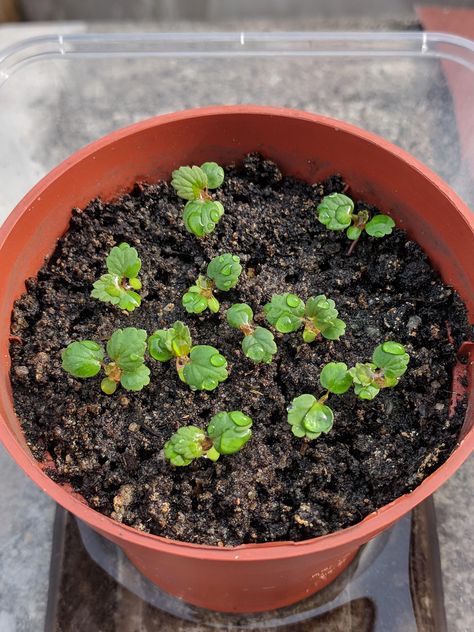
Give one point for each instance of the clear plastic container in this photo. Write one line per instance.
(58, 93)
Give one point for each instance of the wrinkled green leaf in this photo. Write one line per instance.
(322, 316)
(108, 288)
(364, 376)
(366, 392)
(201, 217)
(123, 261)
(135, 380)
(165, 344)
(188, 182)
(225, 271)
(336, 378)
(206, 368)
(193, 301)
(285, 312)
(363, 373)
(239, 315)
(158, 345)
(379, 226)
(214, 173)
(334, 330)
(392, 358)
(83, 358)
(229, 431)
(199, 297)
(321, 310)
(260, 345)
(335, 211)
(309, 418)
(185, 445)
(127, 347)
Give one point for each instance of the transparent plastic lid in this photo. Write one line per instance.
(58, 93)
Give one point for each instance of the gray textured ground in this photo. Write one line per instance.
(404, 100)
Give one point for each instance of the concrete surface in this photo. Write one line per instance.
(217, 10)
(50, 108)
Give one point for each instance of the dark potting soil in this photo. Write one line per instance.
(279, 487)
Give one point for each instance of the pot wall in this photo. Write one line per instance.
(307, 146)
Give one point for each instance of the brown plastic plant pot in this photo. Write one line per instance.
(250, 577)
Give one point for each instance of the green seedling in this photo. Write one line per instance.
(227, 433)
(223, 273)
(288, 313)
(258, 343)
(310, 417)
(126, 350)
(201, 367)
(201, 212)
(336, 212)
(119, 284)
(389, 363)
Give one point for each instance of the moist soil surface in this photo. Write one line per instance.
(278, 487)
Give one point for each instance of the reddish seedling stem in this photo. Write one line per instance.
(352, 246)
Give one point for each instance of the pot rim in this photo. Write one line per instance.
(372, 524)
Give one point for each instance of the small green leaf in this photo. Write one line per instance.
(321, 313)
(185, 445)
(393, 348)
(193, 301)
(321, 308)
(158, 345)
(335, 211)
(127, 348)
(214, 173)
(201, 217)
(180, 339)
(285, 312)
(260, 345)
(390, 380)
(308, 417)
(379, 226)
(353, 232)
(199, 297)
(334, 330)
(206, 368)
(212, 454)
(229, 431)
(213, 304)
(366, 392)
(123, 261)
(135, 380)
(364, 377)
(336, 378)
(363, 374)
(188, 182)
(239, 315)
(165, 344)
(309, 335)
(108, 386)
(108, 288)
(83, 358)
(392, 358)
(135, 283)
(225, 271)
